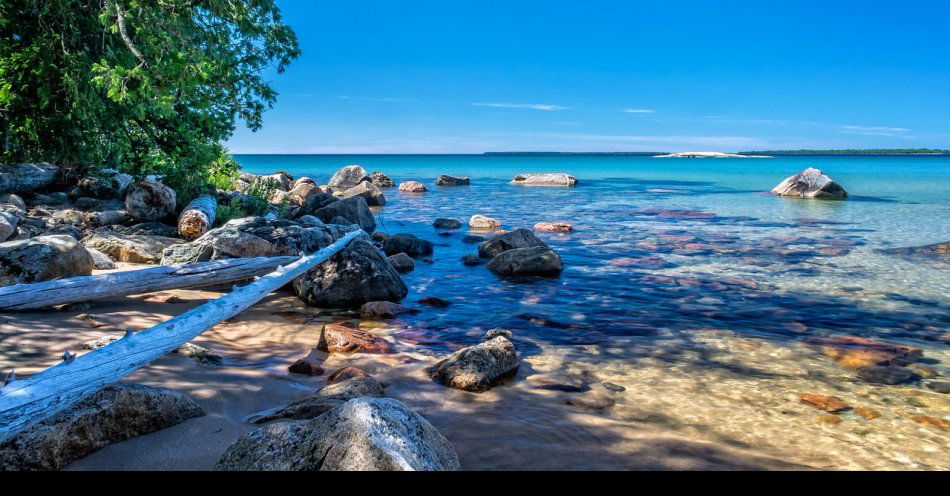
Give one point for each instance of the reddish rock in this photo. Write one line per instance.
(412, 187)
(305, 367)
(868, 413)
(553, 227)
(932, 421)
(852, 351)
(822, 402)
(336, 338)
(346, 373)
(381, 310)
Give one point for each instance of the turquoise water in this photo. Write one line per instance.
(702, 316)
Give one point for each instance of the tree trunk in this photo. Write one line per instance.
(25, 403)
(197, 217)
(21, 178)
(101, 286)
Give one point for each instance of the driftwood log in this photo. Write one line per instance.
(25, 403)
(21, 178)
(101, 286)
(197, 217)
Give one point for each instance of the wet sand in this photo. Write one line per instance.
(714, 401)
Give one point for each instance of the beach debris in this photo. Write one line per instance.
(614, 387)
(379, 434)
(444, 180)
(68, 357)
(823, 402)
(10, 377)
(412, 187)
(551, 179)
(129, 332)
(810, 183)
(89, 320)
(115, 413)
(482, 223)
(477, 368)
(337, 338)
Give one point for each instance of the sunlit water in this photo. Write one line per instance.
(710, 333)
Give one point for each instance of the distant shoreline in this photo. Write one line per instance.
(786, 153)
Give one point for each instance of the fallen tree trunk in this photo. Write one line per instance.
(20, 178)
(86, 288)
(197, 217)
(25, 403)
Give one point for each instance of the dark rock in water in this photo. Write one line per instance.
(444, 180)
(150, 200)
(315, 201)
(381, 310)
(477, 368)
(402, 263)
(408, 244)
(444, 223)
(940, 387)
(890, 375)
(326, 399)
(43, 258)
(472, 260)
(537, 260)
(116, 413)
(347, 177)
(432, 301)
(472, 239)
(592, 402)
(810, 183)
(519, 238)
(305, 367)
(379, 237)
(936, 252)
(147, 229)
(378, 434)
(353, 209)
(355, 275)
(336, 338)
(381, 180)
(368, 191)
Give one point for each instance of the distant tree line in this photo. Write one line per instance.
(860, 151)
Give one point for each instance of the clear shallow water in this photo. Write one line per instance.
(727, 304)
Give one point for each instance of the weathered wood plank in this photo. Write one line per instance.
(115, 284)
(24, 403)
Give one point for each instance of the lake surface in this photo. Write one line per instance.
(691, 287)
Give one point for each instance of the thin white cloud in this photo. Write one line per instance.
(532, 106)
(875, 130)
(375, 99)
(638, 111)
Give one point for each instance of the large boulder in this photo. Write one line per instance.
(482, 223)
(324, 400)
(444, 180)
(129, 248)
(355, 275)
(537, 261)
(116, 413)
(519, 238)
(379, 434)
(402, 263)
(810, 183)
(368, 191)
(8, 223)
(381, 180)
(355, 210)
(408, 244)
(43, 258)
(347, 177)
(254, 237)
(477, 368)
(556, 179)
(150, 200)
(314, 201)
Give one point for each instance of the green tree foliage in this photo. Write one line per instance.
(148, 86)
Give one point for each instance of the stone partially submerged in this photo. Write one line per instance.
(116, 413)
(810, 183)
(533, 261)
(379, 434)
(478, 368)
(356, 275)
(556, 179)
(519, 238)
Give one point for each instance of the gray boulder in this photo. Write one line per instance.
(102, 261)
(537, 261)
(378, 434)
(43, 258)
(353, 209)
(381, 180)
(402, 263)
(444, 180)
(314, 201)
(129, 248)
(519, 238)
(810, 183)
(116, 413)
(324, 400)
(368, 191)
(355, 275)
(477, 368)
(444, 223)
(13, 200)
(150, 200)
(408, 244)
(347, 177)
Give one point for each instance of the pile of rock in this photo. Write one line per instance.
(518, 253)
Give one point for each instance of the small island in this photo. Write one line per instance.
(709, 155)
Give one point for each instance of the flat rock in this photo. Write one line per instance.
(853, 351)
(444, 180)
(555, 179)
(553, 227)
(477, 368)
(823, 402)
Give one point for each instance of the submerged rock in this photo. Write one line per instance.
(810, 183)
(822, 402)
(408, 244)
(477, 368)
(402, 263)
(150, 200)
(381, 310)
(519, 238)
(116, 413)
(852, 351)
(305, 367)
(346, 373)
(444, 180)
(362, 434)
(890, 375)
(537, 260)
(43, 258)
(325, 399)
(355, 275)
(555, 179)
(471, 260)
(553, 227)
(444, 223)
(936, 252)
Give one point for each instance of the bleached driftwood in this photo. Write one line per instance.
(197, 217)
(20, 178)
(97, 287)
(25, 403)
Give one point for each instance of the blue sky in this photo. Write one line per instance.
(454, 76)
